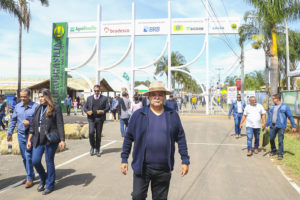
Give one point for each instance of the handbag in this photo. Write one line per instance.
(266, 138)
(52, 137)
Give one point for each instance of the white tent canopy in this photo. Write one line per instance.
(141, 87)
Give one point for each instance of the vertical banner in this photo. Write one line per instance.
(231, 94)
(59, 61)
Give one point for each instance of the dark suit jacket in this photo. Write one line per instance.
(52, 124)
(88, 106)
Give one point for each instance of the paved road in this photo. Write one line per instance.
(219, 169)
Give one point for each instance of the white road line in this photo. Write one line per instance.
(201, 143)
(58, 166)
(217, 144)
(295, 186)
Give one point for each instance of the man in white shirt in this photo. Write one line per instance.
(253, 114)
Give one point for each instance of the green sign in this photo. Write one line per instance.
(59, 61)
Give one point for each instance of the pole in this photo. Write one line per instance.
(207, 69)
(169, 47)
(287, 55)
(131, 92)
(98, 39)
(242, 70)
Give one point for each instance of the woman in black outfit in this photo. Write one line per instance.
(47, 123)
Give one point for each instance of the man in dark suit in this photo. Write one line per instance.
(96, 107)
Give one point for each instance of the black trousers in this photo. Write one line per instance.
(97, 125)
(160, 182)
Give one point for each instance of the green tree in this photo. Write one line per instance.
(274, 13)
(294, 54)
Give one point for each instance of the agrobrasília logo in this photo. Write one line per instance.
(59, 31)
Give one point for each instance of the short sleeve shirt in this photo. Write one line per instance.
(253, 114)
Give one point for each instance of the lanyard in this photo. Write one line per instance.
(42, 113)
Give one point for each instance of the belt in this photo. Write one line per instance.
(273, 124)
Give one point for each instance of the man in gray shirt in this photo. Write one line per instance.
(124, 111)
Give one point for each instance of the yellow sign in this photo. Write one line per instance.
(233, 26)
(59, 31)
(274, 40)
(178, 27)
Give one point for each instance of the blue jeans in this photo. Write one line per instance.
(1, 122)
(237, 121)
(273, 133)
(37, 154)
(123, 122)
(26, 155)
(68, 109)
(250, 133)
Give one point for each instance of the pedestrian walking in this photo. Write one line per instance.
(277, 121)
(114, 107)
(96, 108)
(171, 103)
(22, 118)
(136, 104)
(75, 106)
(124, 111)
(45, 134)
(154, 130)
(236, 110)
(194, 103)
(82, 102)
(68, 104)
(3, 111)
(253, 114)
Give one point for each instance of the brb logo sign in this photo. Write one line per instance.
(151, 29)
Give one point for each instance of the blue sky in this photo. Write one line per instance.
(37, 42)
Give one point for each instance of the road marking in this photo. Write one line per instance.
(217, 144)
(295, 186)
(201, 143)
(58, 166)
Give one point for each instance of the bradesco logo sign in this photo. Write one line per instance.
(108, 30)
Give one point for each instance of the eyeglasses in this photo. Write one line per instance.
(96, 90)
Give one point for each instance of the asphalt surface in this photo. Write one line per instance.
(219, 169)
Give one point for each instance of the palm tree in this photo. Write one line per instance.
(274, 12)
(22, 12)
(177, 59)
(25, 13)
(12, 7)
(256, 28)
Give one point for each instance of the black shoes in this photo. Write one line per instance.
(273, 153)
(92, 151)
(47, 192)
(98, 153)
(41, 187)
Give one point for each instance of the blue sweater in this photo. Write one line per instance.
(136, 132)
(172, 104)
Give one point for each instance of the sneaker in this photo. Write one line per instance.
(98, 154)
(249, 153)
(280, 157)
(256, 151)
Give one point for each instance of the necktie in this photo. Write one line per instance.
(97, 97)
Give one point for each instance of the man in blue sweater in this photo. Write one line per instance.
(154, 130)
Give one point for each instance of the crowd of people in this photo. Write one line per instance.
(150, 123)
(255, 116)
